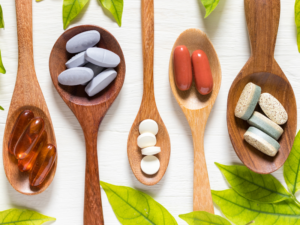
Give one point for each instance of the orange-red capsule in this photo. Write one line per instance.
(43, 165)
(27, 163)
(202, 72)
(22, 122)
(29, 138)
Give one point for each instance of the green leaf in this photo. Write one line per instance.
(2, 69)
(203, 218)
(240, 210)
(135, 207)
(23, 217)
(71, 9)
(115, 7)
(291, 170)
(253, 186)
(209, 5)
(1, 108)
(297, 20)
(1, 18)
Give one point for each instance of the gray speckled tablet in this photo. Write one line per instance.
(273, 108)
(261, 141)
(96, 69)
(102, 57)
(83, 41)
(100, 82)
(77, 60)
(266, 125)
(247, 101)
(75, 76)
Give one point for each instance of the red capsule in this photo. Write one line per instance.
(183, 68)
(27, 163)
(202, 72)
(22, 122)
(43, 165)
(29, 138)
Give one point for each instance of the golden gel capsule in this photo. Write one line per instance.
(22, 122)
(29, 138)
(27, 163)
(43, 165)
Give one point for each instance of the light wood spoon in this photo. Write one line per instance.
(148, 109)
(27, 95)
(89, 111)
(262, 69)
(197, 108)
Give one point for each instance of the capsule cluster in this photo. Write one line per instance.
(28, 143)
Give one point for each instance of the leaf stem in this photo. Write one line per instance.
(250, 222)
(296, 200)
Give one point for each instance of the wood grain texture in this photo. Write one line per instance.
(148, 108)
(89, 111)
(27, 95)
(197, 108)
(262, 69)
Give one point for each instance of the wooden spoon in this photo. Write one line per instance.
(27, 95)
(89, 111)
(148, 109)
(196, 108)
(263, 70)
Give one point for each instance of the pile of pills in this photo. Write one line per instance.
(265, 130)
(146, 141)
(91, 66)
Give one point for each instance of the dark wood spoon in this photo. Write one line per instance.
(89, 111)
(262, 69)
(27, 95)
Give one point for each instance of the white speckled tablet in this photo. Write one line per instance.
(261, 141)
(77, 60)
(148, 126)
(146, 140)
(150, 165)
(95, 68)
(247, 101)
(102, 57)
(266, 125)
(75, 76)
(273, 108)
(151, 150)
(83, 41)
(100, 82)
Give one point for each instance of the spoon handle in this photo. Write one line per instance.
(93, 213)
(148, 47)
(262, 20)
(202, 193)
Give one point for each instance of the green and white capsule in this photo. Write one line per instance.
(266, 125)
(261, 141)
(247, 101)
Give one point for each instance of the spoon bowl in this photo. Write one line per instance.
(89, 111)
(262, 70)
(27, 95)
(197, 108)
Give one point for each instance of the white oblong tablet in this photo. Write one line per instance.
(148, 126)
(96, 69)
(102, 57)
(83, 41)
(77, 60)
(146, 140)
(150, 165)
(151, 150)
(100, 82)
(75, 76)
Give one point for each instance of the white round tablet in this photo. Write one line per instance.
(146, 140)
(148, 126)
(151, 150)
(150, 165)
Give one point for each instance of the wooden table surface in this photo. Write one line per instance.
(226, 27)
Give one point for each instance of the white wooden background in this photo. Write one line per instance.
(226, 27)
